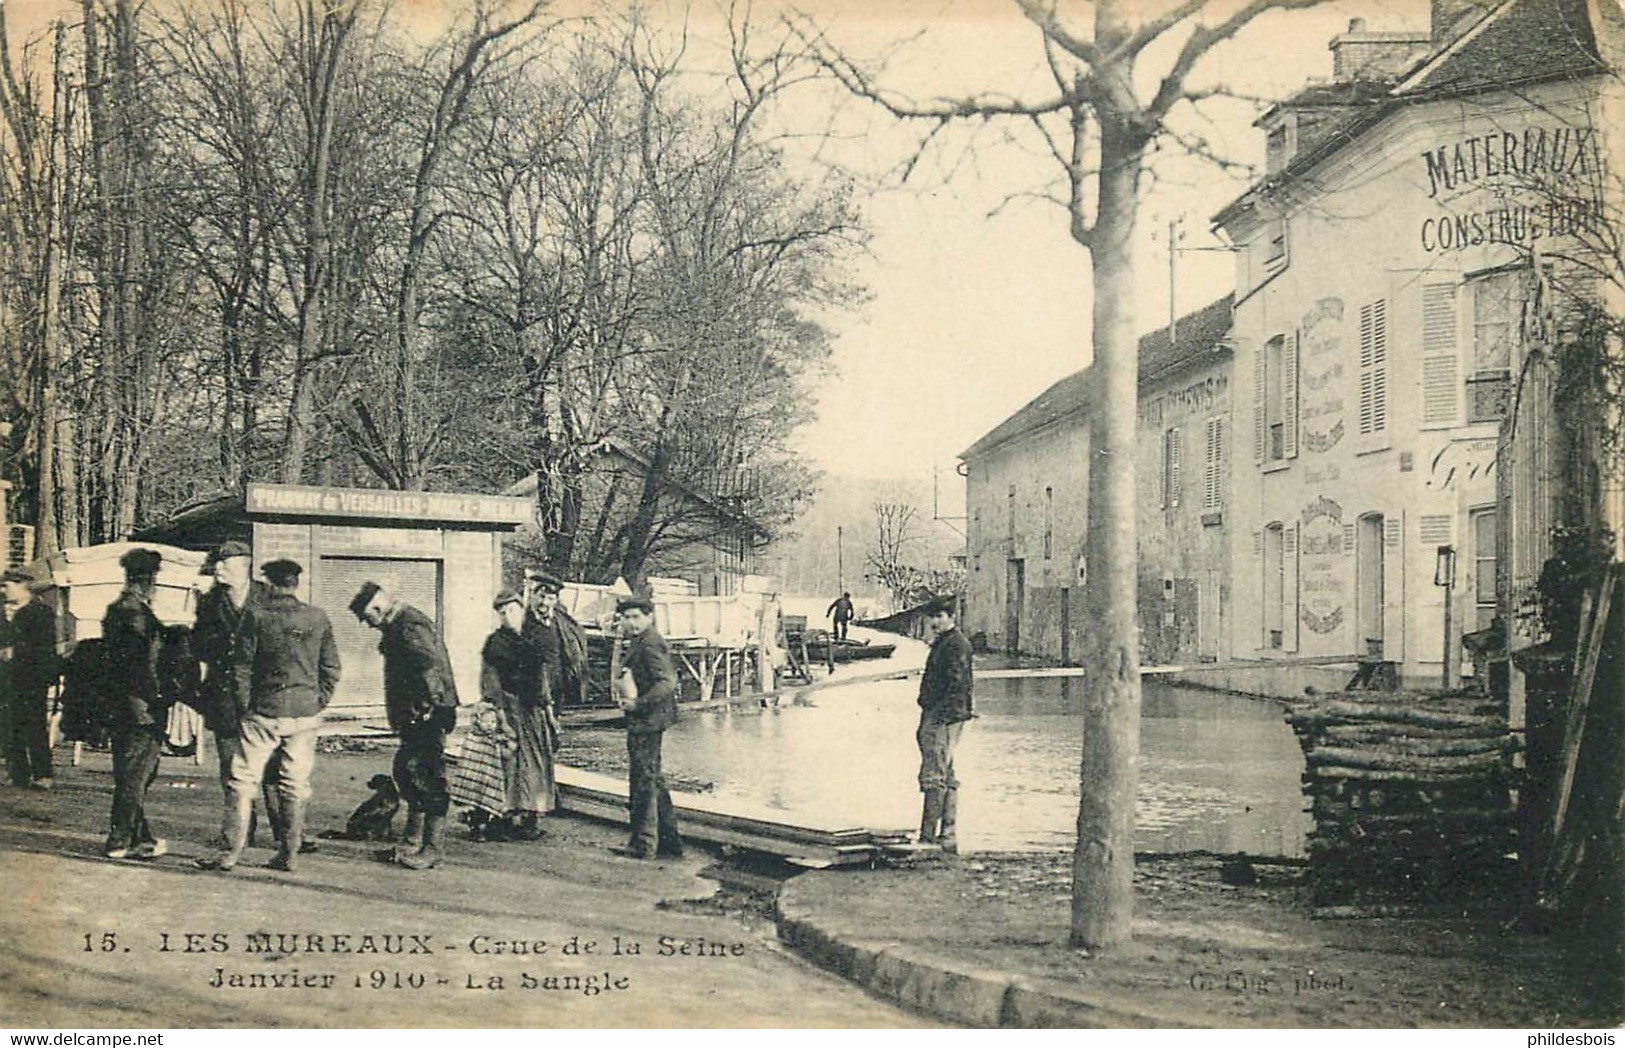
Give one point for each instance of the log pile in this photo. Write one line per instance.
(1410, 796)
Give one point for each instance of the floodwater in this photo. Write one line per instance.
(1218, 772)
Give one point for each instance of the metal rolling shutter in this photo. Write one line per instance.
(417, 582)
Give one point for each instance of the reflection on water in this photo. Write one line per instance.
(1217, 772)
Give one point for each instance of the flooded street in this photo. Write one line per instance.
(1218, 772)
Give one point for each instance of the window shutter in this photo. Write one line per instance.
(1174, 479)
(1259, 424)
(1379, 366)
(1289, 396)
(1374, 367)
(1212, 476)
(1441, 384)
(1289, 588)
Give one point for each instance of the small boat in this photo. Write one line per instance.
(818, 650)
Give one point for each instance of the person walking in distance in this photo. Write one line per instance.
(420, 697)
(220, 612)
(945, 706)
(131, 639)
(30, 637)
(841, 609)
(647, 690)
(285, 667)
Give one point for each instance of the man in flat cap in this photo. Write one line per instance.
(559, 640)
(420, 697)
(29, 633)
(220, 612)
(131, 646)
(646, 688)
(285, 667)
(945, 706)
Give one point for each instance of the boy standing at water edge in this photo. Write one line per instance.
(945, 706)
(647, 691)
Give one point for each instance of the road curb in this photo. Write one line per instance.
(947, 990)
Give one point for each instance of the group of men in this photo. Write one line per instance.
(272, 667)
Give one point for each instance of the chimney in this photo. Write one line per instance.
(1448, 19)
(1363, 56)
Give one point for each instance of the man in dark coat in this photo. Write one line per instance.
(284, 668)
(559, 640)
(131, 639)
(646, 688)
(945, 706)
(30, 637)
(220, 612)
(420, 697)
(841, 608)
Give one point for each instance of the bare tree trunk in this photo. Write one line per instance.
(322, 42)
(1103, 857)
(48, 527)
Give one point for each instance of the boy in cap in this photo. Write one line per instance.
(285, 667)
(420, 697)
(30, 634)
(131, 638)
(220, 612)
(945, 706)
(647, 691)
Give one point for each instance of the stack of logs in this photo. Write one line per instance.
(1410, 796)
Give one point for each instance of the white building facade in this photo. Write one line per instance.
(1389, 292)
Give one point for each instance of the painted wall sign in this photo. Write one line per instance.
(1461, 462)
(1196, 397)
(291, 500)
(1555, 167)
(1321, 381)
(1322, 588)
(343, 538)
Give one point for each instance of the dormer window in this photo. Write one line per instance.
(1278, 146)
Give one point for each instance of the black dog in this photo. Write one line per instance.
(374, 818)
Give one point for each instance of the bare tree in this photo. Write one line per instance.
(887, 557)
(1120, 70)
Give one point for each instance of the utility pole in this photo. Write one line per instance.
(1173, 255)
(840, 558)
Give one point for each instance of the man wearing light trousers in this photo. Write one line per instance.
(286, 667)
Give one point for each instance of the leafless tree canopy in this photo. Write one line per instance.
(290, 241)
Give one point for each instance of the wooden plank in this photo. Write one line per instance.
(1585, 680)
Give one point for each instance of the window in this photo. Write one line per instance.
(1374, 368)
(1275, 249)
(1482, 528)
(1213, 467)
(1276, 147)
(1497, 302)
(1441, 366)
(1170, 468)
(1274, 586)
(1049, 522)
(1275, 400)
(1275, 425)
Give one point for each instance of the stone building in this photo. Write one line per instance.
(1388, 306)
(1026, 497)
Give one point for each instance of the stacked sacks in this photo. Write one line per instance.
(1410, 796)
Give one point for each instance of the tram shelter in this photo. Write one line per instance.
(438, 551)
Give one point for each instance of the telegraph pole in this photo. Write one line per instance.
(840, 558)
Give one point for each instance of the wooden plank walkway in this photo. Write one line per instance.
(732, 822)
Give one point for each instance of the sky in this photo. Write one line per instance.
(971, 314)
